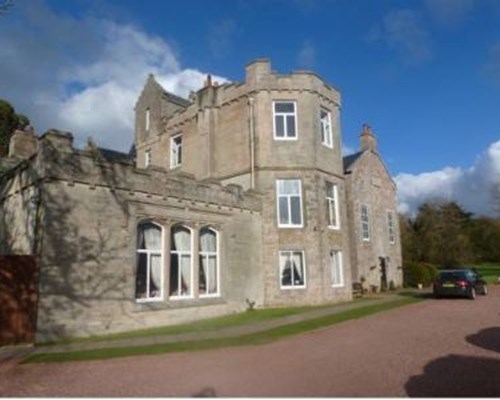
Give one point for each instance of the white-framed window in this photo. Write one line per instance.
(326, 127)
(365, 223)
(292, 269)
(147, 158)
(337, 268)
(149, 272)
(181, 262)
(332, 205)
(175, 151)
(209, 263)
(289, 197)
(147, 121)
(390, 227)
(285, 120)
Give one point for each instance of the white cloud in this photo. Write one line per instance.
(473, 188)
(220, 37)
(403, 30)
(449, 13)
(307, 54)
(84, 75)
(492, 66)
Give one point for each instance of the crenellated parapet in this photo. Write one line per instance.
(58, 160)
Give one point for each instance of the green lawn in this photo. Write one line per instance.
(205, 325)
(489, 271)
(249, 339)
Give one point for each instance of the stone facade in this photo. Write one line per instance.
(236, 198)
(234, 124)
(376, 252)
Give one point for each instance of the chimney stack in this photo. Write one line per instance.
(208, 81)
(23, 143)
(368, 140)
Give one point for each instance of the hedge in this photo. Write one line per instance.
(418, 272)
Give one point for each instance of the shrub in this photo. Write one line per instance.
(418, 272)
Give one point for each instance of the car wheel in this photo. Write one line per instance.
(472, 293)
(485, 290)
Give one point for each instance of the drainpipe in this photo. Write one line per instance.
(252, 143)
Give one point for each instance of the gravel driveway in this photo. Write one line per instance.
(448, 347)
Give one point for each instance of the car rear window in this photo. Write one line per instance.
(451, 275)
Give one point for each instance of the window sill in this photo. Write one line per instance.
(338, 286)
(286, 139)
(209, 296)
(177, 298)
(290, 226)
(151, 300)
(287, 288)
(334, 228)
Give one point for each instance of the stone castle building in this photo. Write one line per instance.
(236, 197)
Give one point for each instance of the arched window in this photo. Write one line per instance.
(149, 274)
(181, 263)
(209, 270)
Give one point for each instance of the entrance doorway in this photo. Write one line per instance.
(383, 273)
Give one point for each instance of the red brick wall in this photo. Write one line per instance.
(18, 299)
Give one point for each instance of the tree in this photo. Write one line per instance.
(9, 122)
(440, 235)
(485, 239)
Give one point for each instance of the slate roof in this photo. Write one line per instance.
(351, 159)
(115, 156)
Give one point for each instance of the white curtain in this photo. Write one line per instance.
(185, 267)
(297, 267)
(182, 243)
(212, 274)
(182, 239)
(208, 244)
(208, 241)
(152, 241)
(152, 236)
(155, 266)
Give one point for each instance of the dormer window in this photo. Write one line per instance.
(176, 151)
(285, 120)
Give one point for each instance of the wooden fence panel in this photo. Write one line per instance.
(18, 299)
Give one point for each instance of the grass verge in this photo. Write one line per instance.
(244, 340)
(205, 325)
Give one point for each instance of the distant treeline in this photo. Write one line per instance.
(446, 235)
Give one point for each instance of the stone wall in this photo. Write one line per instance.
(315, 238)
(218, 121)
(91, 209)
(19, 207)
(370, 184)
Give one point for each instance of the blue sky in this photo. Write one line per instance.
(424, 74)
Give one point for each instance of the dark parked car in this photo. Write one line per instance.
(459, 282)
